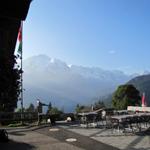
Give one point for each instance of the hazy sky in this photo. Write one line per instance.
(110, 34)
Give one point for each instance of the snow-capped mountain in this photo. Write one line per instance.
(66, 85)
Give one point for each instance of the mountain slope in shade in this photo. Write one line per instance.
(65, 86)
(142, 83)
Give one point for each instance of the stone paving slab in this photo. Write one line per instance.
(34, 140)
(42, 138)
(128, 141)
(83, 142)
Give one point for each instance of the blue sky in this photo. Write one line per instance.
(110, 34)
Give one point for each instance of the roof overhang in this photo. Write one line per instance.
(11, 14)
(15, 9)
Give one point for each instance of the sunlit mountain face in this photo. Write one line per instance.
(52, 80)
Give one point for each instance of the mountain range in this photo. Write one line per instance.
(52, 80)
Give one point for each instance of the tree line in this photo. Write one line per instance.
(50, 109)
(125, 95)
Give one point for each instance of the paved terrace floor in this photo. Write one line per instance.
(115, 138)
(44, 139)
(87, 139)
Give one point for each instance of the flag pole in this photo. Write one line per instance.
(22, 73)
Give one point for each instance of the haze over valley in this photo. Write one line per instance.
(52, 80)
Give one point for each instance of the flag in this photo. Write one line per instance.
(20, 39)
(143, 100)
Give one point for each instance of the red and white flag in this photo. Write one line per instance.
(143, 100)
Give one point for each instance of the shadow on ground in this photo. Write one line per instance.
(17, 134)
(12, 145)
(143, 133)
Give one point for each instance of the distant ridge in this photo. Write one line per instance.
(142, 83)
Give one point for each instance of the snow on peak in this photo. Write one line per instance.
(43, 62)
(70, 65)
(52, 60)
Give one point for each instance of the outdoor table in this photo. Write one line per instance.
(121, 117)
(131, 119)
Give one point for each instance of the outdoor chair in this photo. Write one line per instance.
(99, 121)
(114, 124)
(130, 121)
(124, 124)
(136, 122)
(146, 120)
(108, 123)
